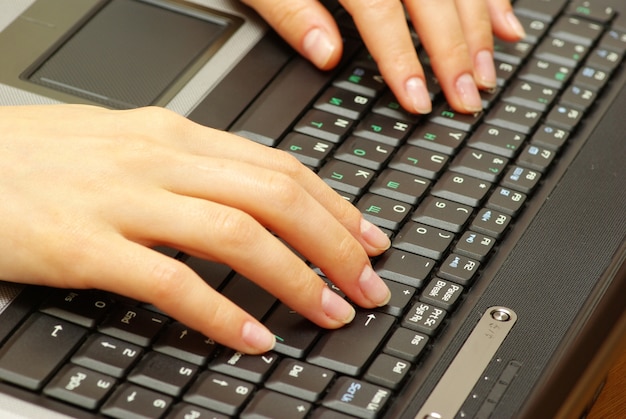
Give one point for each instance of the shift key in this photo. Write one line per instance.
(348, 349)
(37, 349)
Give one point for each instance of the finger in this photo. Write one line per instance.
(476, 25)
(206, 142)
(384, 30)
(505, 23)
(306, 25)
(229, 236)
(145, 275)
(439, 28)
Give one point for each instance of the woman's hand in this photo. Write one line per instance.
(87, 191)
(457, 34)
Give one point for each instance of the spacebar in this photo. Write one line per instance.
(281, 103)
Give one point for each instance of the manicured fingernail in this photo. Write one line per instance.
(374, 236)
(317, 47)
(258, 337)
(373, 287)
(515, 25)
(418, 94)
(486, 69)
(336, 307)
(468, 92)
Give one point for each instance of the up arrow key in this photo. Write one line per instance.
(330, 351)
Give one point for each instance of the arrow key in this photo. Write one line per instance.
(367, 331)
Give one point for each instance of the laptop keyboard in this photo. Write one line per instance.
(446, 187)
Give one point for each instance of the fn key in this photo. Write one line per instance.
(38, 347)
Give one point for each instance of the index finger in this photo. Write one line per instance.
(380, 21)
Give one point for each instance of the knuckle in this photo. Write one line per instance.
(235, 229)
(285, 192)
(168, 280)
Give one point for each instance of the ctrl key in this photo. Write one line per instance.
(357, 398)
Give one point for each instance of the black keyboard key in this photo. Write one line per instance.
(496, 140)
(299, 379)
(423, 240)
(474, 245)
(535, 28)
(382, 211)
(561, 51)
(346, 177)
(424, 318)
(183, 343)
(130, 401)
(37, 349)
(401, 296)
(587, 9)
(591, 78)
(504, 72)
(564, 116)
(108, 355)
(343, 103)
(445, 115)
(442, 213)
(546, 73)
(308, 150)
(439, 138)
(521, 179)
(604, 59)
(577, 30)
(133, 324)
(400, 186)
(252, 368)
(80, 386)
(490, 222)
(359, 78)
(163, 373)
(357, 398)
(530, 95)
(536, 158)
(268, 404)
(324, 125)
(550, 137)
(219, 392)
(364, 152)
(479, 164)
(294, 333)
(442, 293)
(383, 129)
(578, 97)
(85, 308)
(389, 106)
(404, 267)
(406, 344)
(189, 411)
(615, 40)
(511, 52)
(461, 188)
(419, 161)
(515, 117)
(213, 273)
(249, 296)
(460, 269)
(387, 371)
(286, 96)
(546, 10)
(506, 200)
(368, 329)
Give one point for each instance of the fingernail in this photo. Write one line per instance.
(374, 236)
(258, 337)
(486, 69)
(373, 287)
(336, 307)
(317, 47)
(468, 92)
(418, 94)
(515, 25)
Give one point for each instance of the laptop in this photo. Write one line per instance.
(508, 227)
